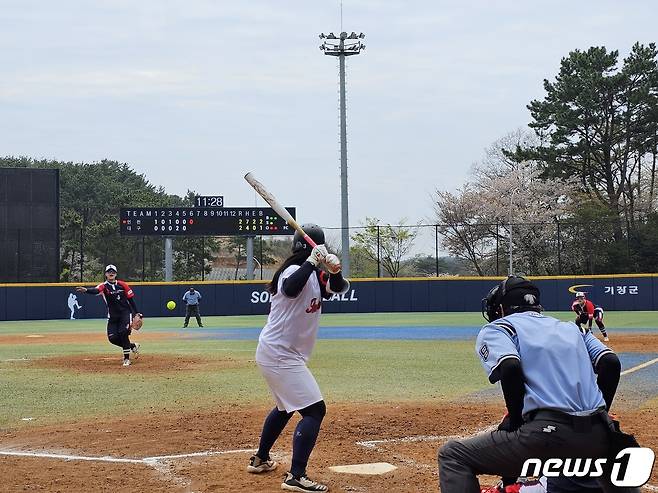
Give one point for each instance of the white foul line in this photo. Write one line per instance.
(70, 457)
(639, 367)
(146, 460)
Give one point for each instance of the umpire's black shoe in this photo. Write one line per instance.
(302, 483)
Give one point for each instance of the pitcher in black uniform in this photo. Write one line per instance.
(121, 308)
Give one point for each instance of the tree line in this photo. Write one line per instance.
(579, 187)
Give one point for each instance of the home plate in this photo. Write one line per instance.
(34, 335)
(371, 469)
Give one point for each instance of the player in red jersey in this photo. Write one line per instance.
(121, 309)
(586, 312)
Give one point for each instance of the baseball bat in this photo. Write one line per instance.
(278, 208)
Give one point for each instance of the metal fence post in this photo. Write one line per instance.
(497, 249)
(169, 258)
(203, 258)
(261, 257)
(82, 253)
(559, 248)
(379, 263)
(436, 247)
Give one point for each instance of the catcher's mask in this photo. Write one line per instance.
(313, 231)
(515, 294)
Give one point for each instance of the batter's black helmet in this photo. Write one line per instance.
(314, 231)
(515, 294)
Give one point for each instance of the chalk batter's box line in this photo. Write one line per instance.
(422, 438)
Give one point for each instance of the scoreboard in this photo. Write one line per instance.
(204, 221)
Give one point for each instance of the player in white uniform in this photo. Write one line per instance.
(285, 345)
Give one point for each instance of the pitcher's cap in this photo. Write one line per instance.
(111, 267)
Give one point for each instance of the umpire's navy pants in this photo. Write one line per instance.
(502, 453)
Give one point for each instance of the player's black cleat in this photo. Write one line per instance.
(302, 483)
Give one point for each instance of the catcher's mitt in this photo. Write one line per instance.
(137, 322)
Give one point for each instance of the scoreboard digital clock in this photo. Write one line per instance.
(204, 221)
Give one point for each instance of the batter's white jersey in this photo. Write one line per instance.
(289, 336)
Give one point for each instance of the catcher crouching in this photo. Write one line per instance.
(122, 314)
(558, 384)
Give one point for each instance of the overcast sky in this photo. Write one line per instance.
(196, 93)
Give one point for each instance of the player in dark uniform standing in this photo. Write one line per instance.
(558, 383)
(121, 309)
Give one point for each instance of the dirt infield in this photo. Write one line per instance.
(633, 343)
(235, 430)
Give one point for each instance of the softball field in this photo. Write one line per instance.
(186, 416)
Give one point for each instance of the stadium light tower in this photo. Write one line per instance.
(343, 46)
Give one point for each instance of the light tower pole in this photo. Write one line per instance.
(341, 47)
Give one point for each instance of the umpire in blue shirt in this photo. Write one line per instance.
(191, 299)
(558, 384)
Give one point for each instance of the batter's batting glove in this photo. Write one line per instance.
(318, 254)
(332, 263)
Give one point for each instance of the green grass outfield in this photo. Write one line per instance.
(347, 370)
(616, 320)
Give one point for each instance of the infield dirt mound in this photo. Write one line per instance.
(149, 363)
(80, 337)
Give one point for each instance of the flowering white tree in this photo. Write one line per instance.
(475, 221)
(466, 229)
